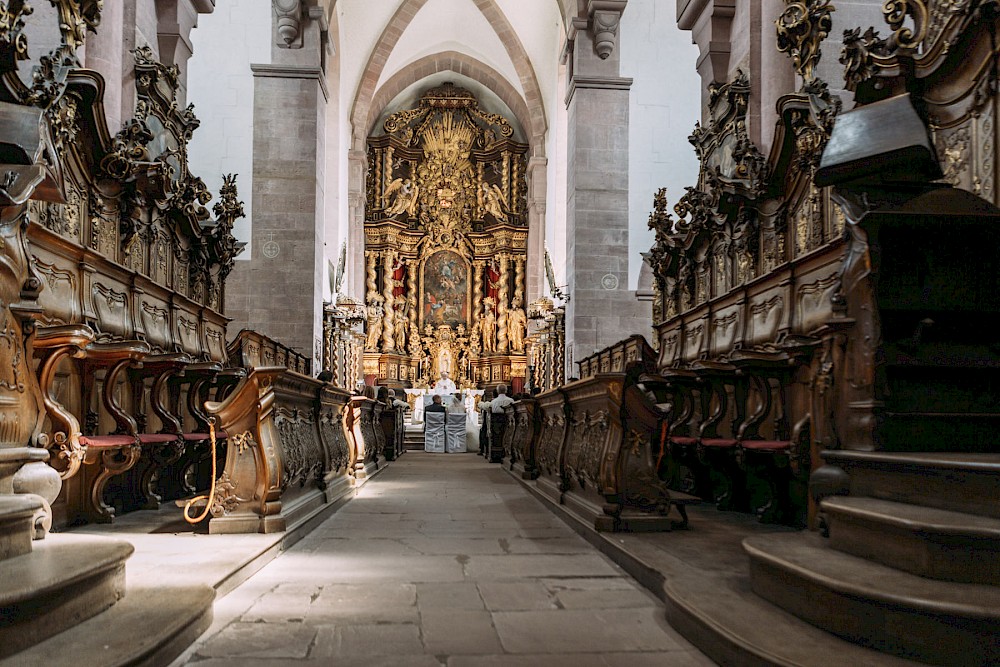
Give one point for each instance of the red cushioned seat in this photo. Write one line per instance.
(773, 446)
(720, 443)
(156, 438)
(106, 440)
(219, 435)
(684, 440)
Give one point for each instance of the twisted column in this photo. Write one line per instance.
(411, 290)
(371, 288)
(389, 314)
(502, 301)
(519, 280)
(478, 268)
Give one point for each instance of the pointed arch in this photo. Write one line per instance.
(394, 29)
(452, 61)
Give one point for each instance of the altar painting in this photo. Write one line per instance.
(445, 290)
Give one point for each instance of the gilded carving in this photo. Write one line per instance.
(802, 27)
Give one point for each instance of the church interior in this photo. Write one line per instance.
(704, 286)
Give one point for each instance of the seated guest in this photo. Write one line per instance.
(436, 405)
(502, 400)
(396, 403)
(325, 376)
(484, 420)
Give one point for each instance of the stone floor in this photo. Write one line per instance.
(441, 560)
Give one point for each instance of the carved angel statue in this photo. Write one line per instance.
(406, 197)
(374, 324)
(401, 327)
(488, 326)
(491, 200)
(516, 322)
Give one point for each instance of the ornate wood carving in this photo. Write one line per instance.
(447, 201)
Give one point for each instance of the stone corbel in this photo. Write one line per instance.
(605, 17)
(289, 26)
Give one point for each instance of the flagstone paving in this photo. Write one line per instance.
(441, 560)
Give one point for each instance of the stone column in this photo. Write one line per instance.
(537, 188)
(411, 289)
(104, 54)
(282, 294)
(357, 165)
(602, 310)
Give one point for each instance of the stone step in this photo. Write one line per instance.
(61, 583)
(927, 541)
(16, 524)
(874, 605)
(959, 482)
(147, 627)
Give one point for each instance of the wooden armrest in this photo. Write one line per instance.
(70, 335)
(162, 367)
(117, 357)
(100, 354)
(53, 344)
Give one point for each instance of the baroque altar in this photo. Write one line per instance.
(445, 246)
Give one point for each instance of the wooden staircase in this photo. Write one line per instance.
(912, 563)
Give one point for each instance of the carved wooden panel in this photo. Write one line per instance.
(215, 341)
(302, 454)
(59, 298)
(155, 321)
(814, 305)
(725, 329)
(695, 339)
(766, 313)
(187, 332)
(670, 347)
(112, 308)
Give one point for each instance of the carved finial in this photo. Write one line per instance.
(660, 219)
(229, 207)
(76, 18)
(802, 27)
(13, 41)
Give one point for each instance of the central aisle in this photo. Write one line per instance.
(441, 560)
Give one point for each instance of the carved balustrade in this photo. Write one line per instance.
(251, 349)
(367, 438)
(288, 453)
(589, 458)
(615, 358)
(524, 438)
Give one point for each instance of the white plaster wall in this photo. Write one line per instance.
(451, 25)
(540, 28)
(664, 104)
(220, 85)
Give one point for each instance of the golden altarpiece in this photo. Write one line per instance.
(445, 246)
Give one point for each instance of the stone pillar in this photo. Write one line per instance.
(537, 189)
(104, 54)
(602, 310)
(282, 295)
(357, 166)
(710, 23)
